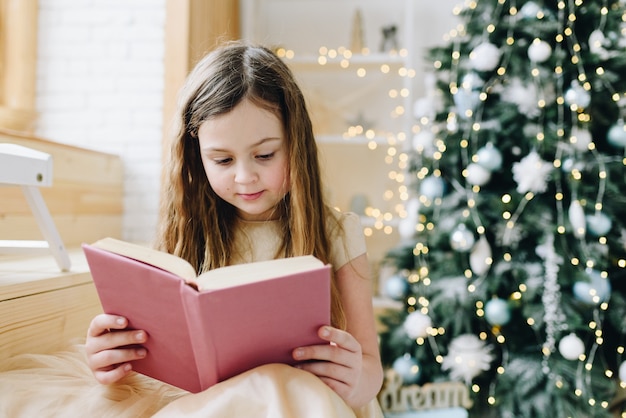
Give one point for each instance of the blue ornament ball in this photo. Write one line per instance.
(489, 157)
(432, 187)
(617, 135)
(594, 291)
(462, 239)
(396, 287)
(497, 312)
(408, 368)
(598, 224)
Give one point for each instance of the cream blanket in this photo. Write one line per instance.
(61, 385)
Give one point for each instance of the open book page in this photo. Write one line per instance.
(254, 272)
(160, 259)
(215, 279)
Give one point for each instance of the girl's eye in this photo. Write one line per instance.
(222, 161)
(265, 156)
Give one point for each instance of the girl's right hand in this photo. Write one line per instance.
(110, 347)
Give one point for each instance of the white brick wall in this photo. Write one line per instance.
(100, 86)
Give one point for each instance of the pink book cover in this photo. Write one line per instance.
(197, 339)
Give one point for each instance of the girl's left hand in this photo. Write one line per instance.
(338, 364)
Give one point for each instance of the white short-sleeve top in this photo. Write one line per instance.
(260, 240)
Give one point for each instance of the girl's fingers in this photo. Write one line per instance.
(110, 359)
(103, 322)
(341, 338)
(343, 349)
(108, 331)
(113, 375)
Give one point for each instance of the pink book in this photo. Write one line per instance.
(240, 317)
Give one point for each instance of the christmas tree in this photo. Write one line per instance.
(511, 272)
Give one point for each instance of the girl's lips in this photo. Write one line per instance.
(250, 196)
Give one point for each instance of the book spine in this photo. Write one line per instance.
(202, 342)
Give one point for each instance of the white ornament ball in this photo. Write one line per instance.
(530, 10)
(576, 216)
(472, 81)
(577, 95)
(432, 187)
(568, 165)
(489, 157)
(617, 135)
(598, 224)
(485, 57)
(480, 257)
(594, 291)
(408, 368)
(622, 371)
(467, 97)
(497, 312)
(539, 51)
(477, 175)
(571, 347)
(462, 239)
(580, 138)
(416, 325)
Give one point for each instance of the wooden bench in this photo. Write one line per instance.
(41, 308)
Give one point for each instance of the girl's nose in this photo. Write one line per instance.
(245, 173)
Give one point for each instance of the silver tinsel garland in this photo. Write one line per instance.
(551, 298)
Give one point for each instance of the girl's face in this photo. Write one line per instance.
(245, 159)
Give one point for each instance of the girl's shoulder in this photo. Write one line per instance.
(346, 237)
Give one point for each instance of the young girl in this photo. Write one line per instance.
(243, 185)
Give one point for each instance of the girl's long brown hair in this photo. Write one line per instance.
(195, 223)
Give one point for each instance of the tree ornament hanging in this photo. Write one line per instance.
(408, 368)
(489, 157)
(576, 216)
(477, 175)
(539, 51)
(616, 135)
(497, 312)
(577, 96)
(417, 325)
(598, 223)
(597, 44)
(553, 315)
(485, 57)
(462, 239)
(432, 187)
(571, 347)
(594, 291)
(530, 10)
(396, 287)
(622, 372)
(522, 94)
(531, 173)
(468, 356)
(480, 257)
(580, 138)
(467, 97)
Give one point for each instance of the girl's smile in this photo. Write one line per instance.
(251, 196)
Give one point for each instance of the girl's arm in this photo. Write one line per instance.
(351, 365)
